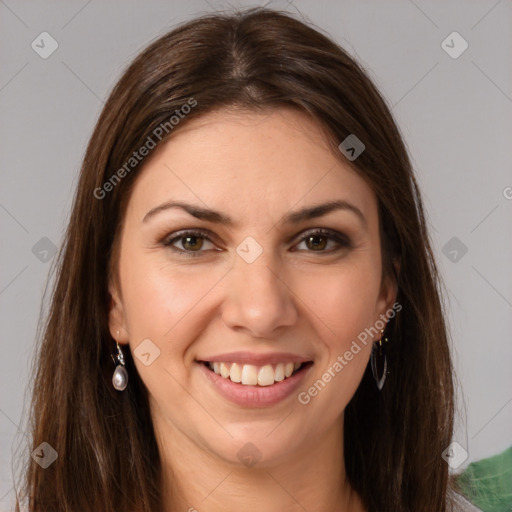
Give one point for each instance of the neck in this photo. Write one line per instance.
(194, 479)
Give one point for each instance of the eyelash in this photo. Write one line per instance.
(342, 240)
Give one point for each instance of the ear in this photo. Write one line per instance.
(387, 296)
(116, 315)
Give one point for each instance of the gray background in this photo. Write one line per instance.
(455, 115)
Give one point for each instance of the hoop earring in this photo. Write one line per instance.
(378, 361)
(120, 376)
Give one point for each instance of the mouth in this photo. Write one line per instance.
(254, 375)
(251, 385)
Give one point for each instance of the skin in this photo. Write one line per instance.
(295, 298)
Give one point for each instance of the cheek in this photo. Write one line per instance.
(343, 300)
(159, 305)
(345, 304)
(161, 302)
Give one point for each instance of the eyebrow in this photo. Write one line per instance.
(296, 217)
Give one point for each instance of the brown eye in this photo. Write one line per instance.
(316, 242)
(192, 243)
(319, 240)
(189, 243)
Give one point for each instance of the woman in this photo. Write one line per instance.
(247, 311)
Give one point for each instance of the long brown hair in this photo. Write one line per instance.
(257, 59)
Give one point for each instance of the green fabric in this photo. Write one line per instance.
(488, 483)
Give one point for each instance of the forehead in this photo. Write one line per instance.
(267, 162)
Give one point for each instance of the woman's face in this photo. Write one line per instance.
(239, 281)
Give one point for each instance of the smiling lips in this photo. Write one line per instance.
(252, 375)
(252, 380)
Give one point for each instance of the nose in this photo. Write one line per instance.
(258, 300)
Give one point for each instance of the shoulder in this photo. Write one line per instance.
(461, 504)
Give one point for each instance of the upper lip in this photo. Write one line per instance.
(256, 359)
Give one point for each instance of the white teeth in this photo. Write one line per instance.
(266, 375)
(235, 374)
(251, 375)
(224, 370)
(279, 372)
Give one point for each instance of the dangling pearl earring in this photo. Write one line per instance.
(120, 377)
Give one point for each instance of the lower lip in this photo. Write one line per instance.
(255, 396)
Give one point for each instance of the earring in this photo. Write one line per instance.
(120, 377)
(378, 361)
